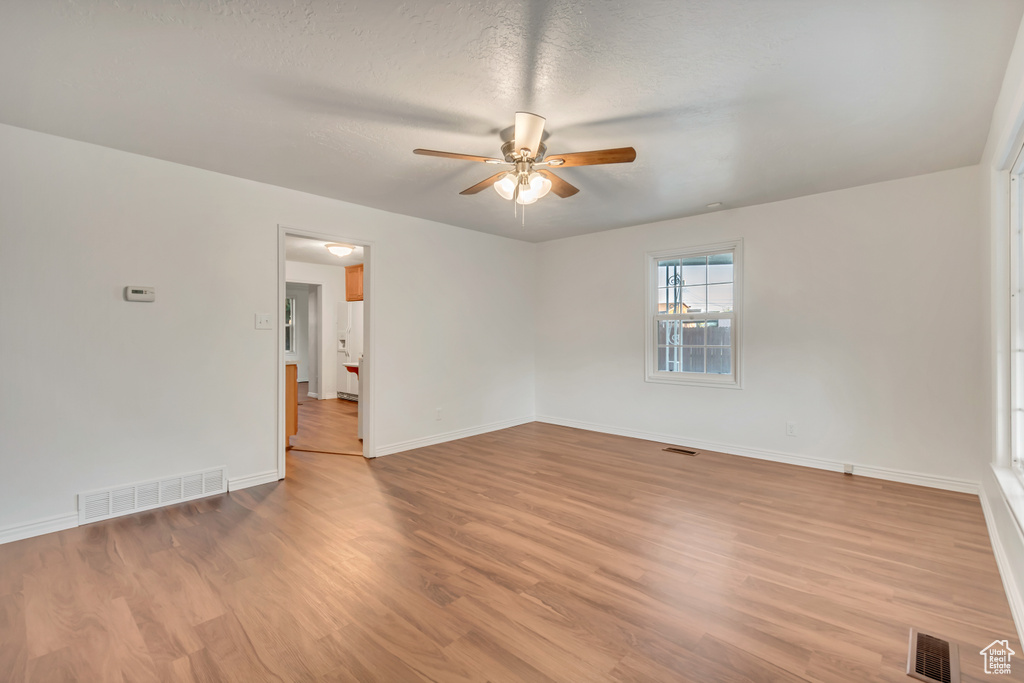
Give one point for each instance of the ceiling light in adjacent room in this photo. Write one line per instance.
(339, 250)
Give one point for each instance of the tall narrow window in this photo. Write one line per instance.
(1017, 316)
(693, 315)
(289, 325)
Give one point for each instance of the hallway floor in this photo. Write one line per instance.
(327, 426)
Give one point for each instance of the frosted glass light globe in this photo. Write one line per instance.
(506, 185)
(539, 185)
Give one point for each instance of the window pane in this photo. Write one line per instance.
(668, 273)
(719, 361)
(668, 359)
(288, 311)
(288, 339)
(694, 270)
(669, 333)
(670, 300)
(719, 297)
(719, 333)
(693, 334)
(694, 299)
(692, 359)
(720, 268)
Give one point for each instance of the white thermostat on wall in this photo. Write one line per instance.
(136, 293)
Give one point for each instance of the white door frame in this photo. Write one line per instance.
(367, 376)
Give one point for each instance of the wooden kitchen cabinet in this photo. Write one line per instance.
(291, 401)
(354, 283)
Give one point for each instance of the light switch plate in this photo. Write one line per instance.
(263, 321)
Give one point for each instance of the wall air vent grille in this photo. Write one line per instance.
(122, 500)
(94, 506)
(932, 658)
(213, 481)
(193, 485)
(148, 495)
(170, 490)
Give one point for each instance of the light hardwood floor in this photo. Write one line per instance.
(327, 425)
(537, 553)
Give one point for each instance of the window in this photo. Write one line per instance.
(693, 316)
(289, 325)
(1017, 317)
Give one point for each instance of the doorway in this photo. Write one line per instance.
(326, 336)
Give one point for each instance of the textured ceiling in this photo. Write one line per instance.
(737, 101)
(308, 250)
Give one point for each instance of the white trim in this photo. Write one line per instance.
(253, 480)
(451, 436)
(1000, 538)
(733, 380)
(313, 395)
(931, 481)
(47, 525)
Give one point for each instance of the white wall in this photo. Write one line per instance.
(97, 391)
(332, 282)
(300, 352)
(863, 323)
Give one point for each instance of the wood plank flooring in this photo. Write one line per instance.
(537, 553)
(327, 426)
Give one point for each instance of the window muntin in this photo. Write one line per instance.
(693, 316)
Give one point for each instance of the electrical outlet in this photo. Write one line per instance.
(438, 417)
(263, 321)
(791, 429)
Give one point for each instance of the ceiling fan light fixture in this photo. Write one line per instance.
(526, 196)
(506, 185)
(339, 250)
(539, 185)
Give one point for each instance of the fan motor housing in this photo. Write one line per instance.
(508, 148)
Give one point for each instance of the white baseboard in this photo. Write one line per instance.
(1005, 534)
(253, 480)
(391, 449)
(38, 527)
(313, 394)
(919, 479)
(930, 480)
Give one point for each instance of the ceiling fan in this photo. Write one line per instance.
(530, 177)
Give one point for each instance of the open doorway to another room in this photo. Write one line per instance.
(323, 321)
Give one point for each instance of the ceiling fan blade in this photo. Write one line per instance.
(620, 155)
(558, 186)
(453, 155)
(483, 184)
(529, 131)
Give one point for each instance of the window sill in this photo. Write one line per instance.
(697, 381)
(1013, 492)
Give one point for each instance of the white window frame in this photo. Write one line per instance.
(1016, 193)
(290, 325)
(652, 374)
